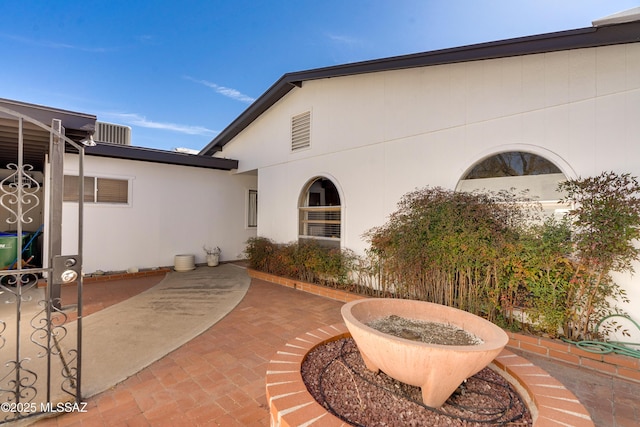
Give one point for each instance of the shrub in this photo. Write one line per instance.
(308, 261)
(449, 247)
(606, 221)
(491, 254)
(542, 270)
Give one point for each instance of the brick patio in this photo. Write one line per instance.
(219, 377)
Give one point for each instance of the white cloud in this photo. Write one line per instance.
(345, 40)
(225, 91)
(54, 45)
(141, 121)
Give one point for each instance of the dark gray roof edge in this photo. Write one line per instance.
(129, 152)
(45, 108)
(70, 119)
(549, 42)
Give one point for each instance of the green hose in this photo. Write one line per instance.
(607, 347)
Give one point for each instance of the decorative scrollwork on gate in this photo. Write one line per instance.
(19, 386)
(19, 189)
(69, 372)
(3, 327)
(37, 366)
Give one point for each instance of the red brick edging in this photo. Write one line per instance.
(114, 276)
(125, 276)
(625, 367)
(290, 404)
(615, 365)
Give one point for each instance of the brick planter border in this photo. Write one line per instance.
(290, 404)
(114, 276)
(126, 276)
(624, 367)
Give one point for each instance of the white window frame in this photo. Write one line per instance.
(95, 178)
(305, 212)
(252, 209)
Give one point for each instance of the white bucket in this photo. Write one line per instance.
(185, 262)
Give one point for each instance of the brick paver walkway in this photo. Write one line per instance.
(218, 378)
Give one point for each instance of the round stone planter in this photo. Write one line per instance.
(184, 262)
(437, 369)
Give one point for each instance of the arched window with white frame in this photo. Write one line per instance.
(518, 171)
(320, 212)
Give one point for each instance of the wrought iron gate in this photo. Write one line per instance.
(40, 332)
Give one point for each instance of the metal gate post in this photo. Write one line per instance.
(56, 188)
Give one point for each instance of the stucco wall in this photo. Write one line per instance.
(381, 135)
(384, 134)
(172, 210)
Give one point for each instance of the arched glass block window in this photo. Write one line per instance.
(320, 212)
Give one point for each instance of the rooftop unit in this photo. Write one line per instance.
(114, 134)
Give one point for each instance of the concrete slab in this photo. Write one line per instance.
(122, 339)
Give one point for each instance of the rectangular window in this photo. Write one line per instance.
(112, 190)
(97, 190)
(252, 215)
(71, 183)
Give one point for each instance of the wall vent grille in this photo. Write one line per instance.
(301, 131)
(114, 134)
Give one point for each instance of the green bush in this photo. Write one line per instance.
(540, 270)
(307, 261)
(606, 223)
(492, 254)
(451, 248)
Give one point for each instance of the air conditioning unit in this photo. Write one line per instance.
(114, 134)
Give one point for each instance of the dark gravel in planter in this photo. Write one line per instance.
(423, 331)
(337, 378)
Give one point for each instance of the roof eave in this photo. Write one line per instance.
(77, 125)
(128, 152)
(278, 90)
(550, 42)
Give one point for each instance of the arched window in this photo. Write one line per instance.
(512, 163)
(520, 171)
(320, 212)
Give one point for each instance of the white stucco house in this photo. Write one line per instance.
(335, 148)
(170, 204)
(142, 206)
(330, 151)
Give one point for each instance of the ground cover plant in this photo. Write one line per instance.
(492, 254)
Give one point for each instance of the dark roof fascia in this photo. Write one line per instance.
(128, 152)
(277, 91)
(83, 123)
(550, 42)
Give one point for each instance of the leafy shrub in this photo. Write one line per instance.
(446, 247)
(307, 260)
(491, 254)
(606, 223)
(541, 269)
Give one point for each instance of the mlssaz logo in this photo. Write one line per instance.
(64, 407)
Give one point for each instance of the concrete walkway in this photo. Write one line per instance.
(122, 339)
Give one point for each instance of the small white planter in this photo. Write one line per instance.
(184, 262)
(213, 259)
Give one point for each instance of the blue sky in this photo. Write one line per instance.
(178, 72)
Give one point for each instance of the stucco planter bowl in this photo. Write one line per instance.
(437, 369)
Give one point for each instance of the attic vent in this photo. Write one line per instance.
(301, 131)
(115, 134)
